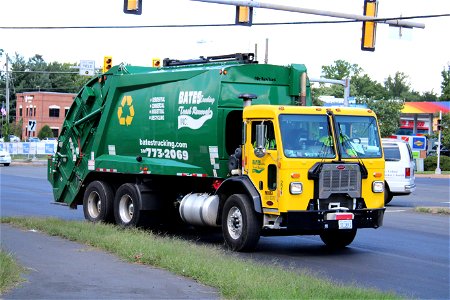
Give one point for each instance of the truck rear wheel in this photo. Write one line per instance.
(126, 206)
(98, 202)
(338, 239)
(241, 226)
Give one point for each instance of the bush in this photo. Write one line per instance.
(45, 132)
(430, 163)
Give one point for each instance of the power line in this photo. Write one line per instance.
(41, 72)
(45, 72)
(381, 20)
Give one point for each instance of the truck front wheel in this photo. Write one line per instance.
(338, 239)
(98, 202)
(241, 225)
(126, 206)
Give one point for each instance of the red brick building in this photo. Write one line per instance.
(38, 109)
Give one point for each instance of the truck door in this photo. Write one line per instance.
(263, 162)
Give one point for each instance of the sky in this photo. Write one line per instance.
(421, 54)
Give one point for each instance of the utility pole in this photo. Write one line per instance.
(7, 89)
(438, 148)
(266, 56)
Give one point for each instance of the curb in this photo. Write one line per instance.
(29, 162)
(432, 175)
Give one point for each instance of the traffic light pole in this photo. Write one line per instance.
(438, 148)
(398, 23)
(7, 89)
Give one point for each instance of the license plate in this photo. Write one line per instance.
(345, 224)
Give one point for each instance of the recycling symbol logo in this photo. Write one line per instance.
(125, 112)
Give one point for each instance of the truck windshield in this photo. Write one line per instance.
(306, 136)
(358, 136)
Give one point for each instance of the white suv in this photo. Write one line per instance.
(399, 169)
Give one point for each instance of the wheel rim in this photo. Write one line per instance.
(126, 208)
(234, 222)
(94, 204)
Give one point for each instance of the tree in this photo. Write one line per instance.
(388, 114)
(35, 74)
(364, 87)
(429, 96)
(398, 86)
(45, 132)
(340, 70)
(445, 85)
(445, 133)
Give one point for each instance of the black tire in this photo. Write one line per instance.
(98, 202)
(387, 195)
(6, 165)
(241, 225)
(338, 239)
(127, 210)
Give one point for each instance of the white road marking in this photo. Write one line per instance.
(395, 210)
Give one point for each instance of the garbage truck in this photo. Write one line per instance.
(219, 141)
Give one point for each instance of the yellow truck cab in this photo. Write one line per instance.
(324, 173)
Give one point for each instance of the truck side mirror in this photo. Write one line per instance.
(260, 149)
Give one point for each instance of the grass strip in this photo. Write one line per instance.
(433, 210)
(10, 272)
(235, 278)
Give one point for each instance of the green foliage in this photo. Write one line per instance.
(5, 131)
(35, 74)
(16, 128)
(388, 114)
(363, 87)
(341, 69)
(445, 134)
(430, 163)
(45, 132)
(12, 128)
(397, 86)
(445, 85)
(9, 272)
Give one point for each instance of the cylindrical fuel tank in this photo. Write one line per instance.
(199, 209)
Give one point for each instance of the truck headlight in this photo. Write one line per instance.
(296, 188)
(377, 186)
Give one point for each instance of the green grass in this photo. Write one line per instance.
(433, 172)
(433, 210)
(235, 278)
(10, 272)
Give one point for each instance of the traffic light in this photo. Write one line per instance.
(133, 7)
(244, 15)
(369, 28)
(439, 125)
(107, 63)
(156, 62)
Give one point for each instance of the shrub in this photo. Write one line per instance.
(430, 163)
(45, 132)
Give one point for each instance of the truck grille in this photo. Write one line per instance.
(340, 179)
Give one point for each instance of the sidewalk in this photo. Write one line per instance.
(61, 269)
